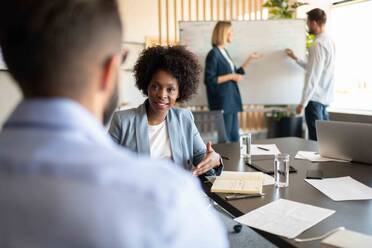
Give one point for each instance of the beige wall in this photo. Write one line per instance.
(140, 18)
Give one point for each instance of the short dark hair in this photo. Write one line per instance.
(49, 46)
(317, 15)
(177, 61)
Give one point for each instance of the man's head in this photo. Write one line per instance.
(63, 48)
(316, 20)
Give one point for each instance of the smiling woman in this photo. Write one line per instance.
(166, 75)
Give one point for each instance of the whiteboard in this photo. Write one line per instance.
(274, 79)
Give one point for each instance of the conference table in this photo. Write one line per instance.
(353, 215)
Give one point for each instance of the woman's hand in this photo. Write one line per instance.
(212, 159)
(236, 77)
(255, 55)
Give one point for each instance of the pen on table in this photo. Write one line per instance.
(265, 149)
(237, 196)
(224, 157)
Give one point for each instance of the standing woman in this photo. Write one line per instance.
(221, 78)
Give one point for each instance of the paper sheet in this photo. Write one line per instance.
(272, 149)
(285, 218)
(268, 180)
(347, 239)
(342, 188)
(315, 157)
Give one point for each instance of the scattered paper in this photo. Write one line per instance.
(239, 182)
(342, 188)
(285, 218)
(316, 157)
(270, 149)
(347, 239)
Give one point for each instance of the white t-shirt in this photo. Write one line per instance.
(320, 71)
(223, 51)
(159, 141)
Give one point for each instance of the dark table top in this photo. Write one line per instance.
(353, 215)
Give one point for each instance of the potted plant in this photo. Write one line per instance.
(282, 9)
(283, 122)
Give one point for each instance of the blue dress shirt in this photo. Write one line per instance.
(64, 183)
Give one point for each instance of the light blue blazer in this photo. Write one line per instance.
(129, 129)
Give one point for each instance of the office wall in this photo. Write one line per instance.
(140, 19)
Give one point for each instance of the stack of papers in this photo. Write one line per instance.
(239, 182)
(268, 180)
(268, 149)
(316, 157)
(285, 218)
(342, 188)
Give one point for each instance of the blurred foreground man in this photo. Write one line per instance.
(63, 183)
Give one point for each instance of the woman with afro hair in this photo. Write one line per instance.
(166, 75)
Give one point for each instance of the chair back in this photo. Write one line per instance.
(211, 125)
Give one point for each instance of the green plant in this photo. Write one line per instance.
(281, 9)
(280, 112)
(309, 40)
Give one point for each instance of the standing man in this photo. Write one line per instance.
(63, 182)
(320, 72)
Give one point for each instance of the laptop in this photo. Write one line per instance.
(345, 140)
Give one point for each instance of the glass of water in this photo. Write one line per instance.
(245, 142)
(281, 170)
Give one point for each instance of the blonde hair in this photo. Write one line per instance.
(219, 36)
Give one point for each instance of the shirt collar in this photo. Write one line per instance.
(58, 113)
(319, 36)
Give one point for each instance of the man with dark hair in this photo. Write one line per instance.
(63, 182)
(318, 16)
(320, 68)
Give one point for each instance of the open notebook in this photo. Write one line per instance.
(239, 182)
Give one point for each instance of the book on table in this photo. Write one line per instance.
(238, 182)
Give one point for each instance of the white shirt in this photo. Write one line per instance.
(159, 141)
(223, 51)
(320, 71)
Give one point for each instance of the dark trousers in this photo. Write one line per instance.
(314, 111)
(231, 126)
